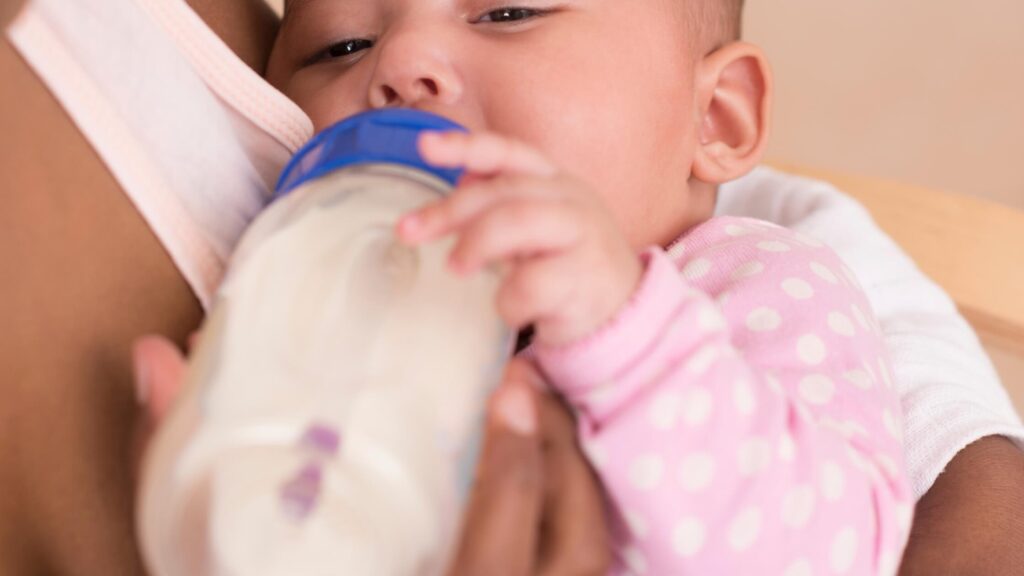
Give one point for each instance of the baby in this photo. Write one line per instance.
(731, 387)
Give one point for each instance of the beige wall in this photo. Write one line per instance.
(929, 92)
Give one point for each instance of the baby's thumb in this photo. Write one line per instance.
(159, 370)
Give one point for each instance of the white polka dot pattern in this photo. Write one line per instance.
(817, 389)
(646, 472)
(752, 268)
(745, 529)
(811, 349)
(755, 455)
(697, 269)
(843, 551)
(824, 272)
(665, 410)
(697, 472)
(799, 568)
(752, 428)
(763, 319)
(698, 407)
(797, 289)
(797, 506)
(688, 537)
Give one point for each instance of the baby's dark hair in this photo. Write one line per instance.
(715, 22)
(733, 18)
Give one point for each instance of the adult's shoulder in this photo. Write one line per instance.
(248, 27)
(8, 10)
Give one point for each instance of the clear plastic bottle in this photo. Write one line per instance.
(329, 408)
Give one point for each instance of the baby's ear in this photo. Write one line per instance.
(734, 93)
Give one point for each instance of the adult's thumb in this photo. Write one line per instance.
(501, 526)
(159, 371)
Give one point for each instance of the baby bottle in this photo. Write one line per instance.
(325, 425)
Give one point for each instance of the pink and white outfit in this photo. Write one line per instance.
(741, 413)
(196, 140)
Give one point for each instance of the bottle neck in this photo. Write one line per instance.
(394, 170)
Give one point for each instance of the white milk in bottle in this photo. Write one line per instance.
(326, 419)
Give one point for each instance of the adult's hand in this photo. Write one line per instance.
(536, 508)
(159, 372)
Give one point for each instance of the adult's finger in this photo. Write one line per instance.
(159, 370)
(502, 521)
(576, 536)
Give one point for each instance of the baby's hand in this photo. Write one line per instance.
(568, 268)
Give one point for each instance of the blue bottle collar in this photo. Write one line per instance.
(377, 136)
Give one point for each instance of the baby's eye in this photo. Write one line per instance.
(510, 15)
(349, 47)
(342, 49)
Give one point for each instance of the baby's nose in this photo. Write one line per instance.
(413, 69)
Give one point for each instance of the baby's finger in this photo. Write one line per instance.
(483, 153)
(465, 203)
(440, 218)
(534, 290)
(515, 228)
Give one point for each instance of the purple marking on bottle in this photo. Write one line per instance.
(300, 494)
(322, 439)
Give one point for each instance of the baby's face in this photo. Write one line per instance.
(603, 87)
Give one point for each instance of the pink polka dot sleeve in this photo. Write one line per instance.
(740, 412)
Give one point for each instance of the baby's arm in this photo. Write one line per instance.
(753, 441)
(950, 394)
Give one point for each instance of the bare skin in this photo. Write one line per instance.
(87, 277)
(971, 522)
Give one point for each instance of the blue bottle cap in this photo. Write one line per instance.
(377, 136)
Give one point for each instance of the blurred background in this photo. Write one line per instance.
(924, 92)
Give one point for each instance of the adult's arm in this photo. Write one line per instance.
(82, 277)
(970, 522)
(954, 406)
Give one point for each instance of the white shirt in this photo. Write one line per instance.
(192, 134)
(196, 139)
